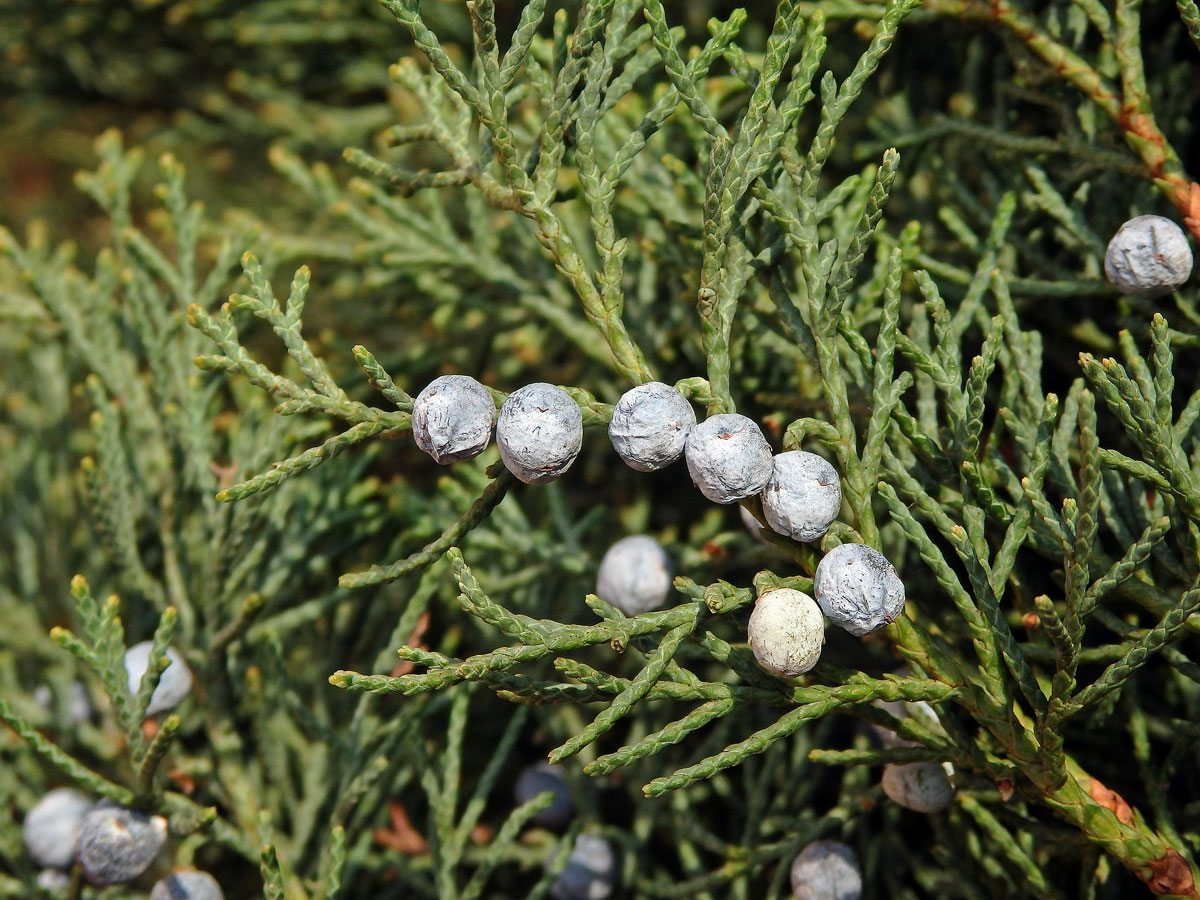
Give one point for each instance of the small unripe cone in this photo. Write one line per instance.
(650, 426)
(590, 873)
(922, 786)
(803, 495)
(858, 588)
(452, 418)
(1148, 257)
(174, 683)
(786, 632)
(826, 870)
(635, 575)
(728, 458)
(187, 884)
(117, 844)
(51, 827)
(539, 432)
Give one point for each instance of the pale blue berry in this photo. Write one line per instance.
(728, 458)
(174, 683)
(187, 884)
(452, 418)
(117, 844)
(650, 426)
(539, 432)
(858, 588)
(826, 870)
(50, 828)
(635, 575)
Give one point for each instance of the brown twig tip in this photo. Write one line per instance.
(1171, 874)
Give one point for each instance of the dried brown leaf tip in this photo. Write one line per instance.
(1187, 199)
(1112, 800)
(1171, 874)
(402, 836)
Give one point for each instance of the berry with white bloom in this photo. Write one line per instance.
(858, 588)
(174, 683)
(826, 870)
(635, 575)
(803, 495)
(452, 418)
(51, 826)
(786, 632)
(187, 884)
(117, 844)
(1148, 257)
(921, 786)
(728, 458)
(537, 779)
(539, 432)
(650, 426)
(591, 871)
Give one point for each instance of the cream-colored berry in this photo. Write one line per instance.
(786, 632)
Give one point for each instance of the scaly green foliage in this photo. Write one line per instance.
(784, 215)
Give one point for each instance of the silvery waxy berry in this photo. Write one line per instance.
(174, 683)
(50, 828)
(539, 432)
(537, 779)
(826, 870)
(1148, 257)
(786, 632)
(922, 786)
(858, 588)
(803, 495)
(650, 425)
(117, 844)
(590, 873)
(728, 458)
(187, 884)
(635, 575)
(452, 418)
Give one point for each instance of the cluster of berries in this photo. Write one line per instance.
(539, 432)
(591, 870)
(113, 844)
